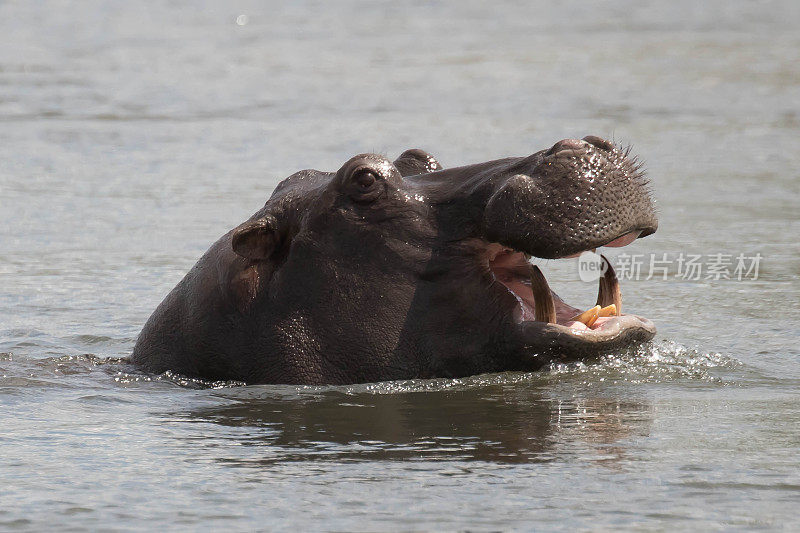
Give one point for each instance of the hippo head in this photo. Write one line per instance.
(392, 270)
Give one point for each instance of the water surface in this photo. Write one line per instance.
(132, 135)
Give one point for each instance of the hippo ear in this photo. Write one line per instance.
(416, 161)
(256, 239)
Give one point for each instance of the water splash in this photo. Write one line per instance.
(651, 363)
(127, 378)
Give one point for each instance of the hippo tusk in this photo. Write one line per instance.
(544, 307)
(608, 292)
(609, 298)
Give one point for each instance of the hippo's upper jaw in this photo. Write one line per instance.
(576, 196)
(396, 270)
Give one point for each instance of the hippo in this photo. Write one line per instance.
(392, 270)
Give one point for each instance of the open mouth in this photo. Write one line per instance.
(537, 302)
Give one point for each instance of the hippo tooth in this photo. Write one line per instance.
(544, 307)
(609, 310)
(609, 292)
(588, 317)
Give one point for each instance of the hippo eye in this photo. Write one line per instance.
(364, 185)
(365, 178)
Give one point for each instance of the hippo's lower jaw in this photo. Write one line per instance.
(550, 326)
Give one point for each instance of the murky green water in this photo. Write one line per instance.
(132, 135)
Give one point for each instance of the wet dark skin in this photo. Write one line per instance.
(397, 270)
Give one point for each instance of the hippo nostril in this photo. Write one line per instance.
(566, 144)
(599, 143)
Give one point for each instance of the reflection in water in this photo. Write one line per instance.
(500, 423)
